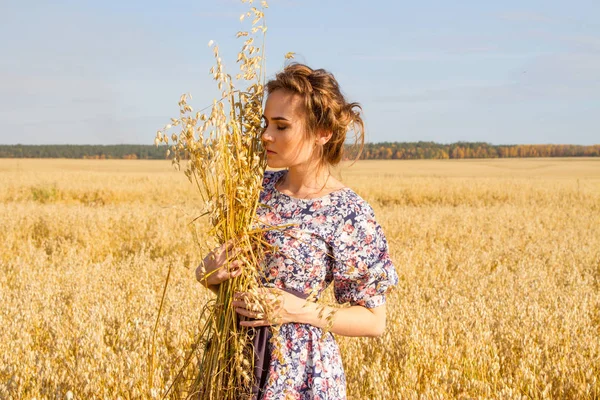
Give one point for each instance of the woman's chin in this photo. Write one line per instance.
(274, 164)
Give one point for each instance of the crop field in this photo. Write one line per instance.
(499, 266)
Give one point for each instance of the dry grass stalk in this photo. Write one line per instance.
(499, 295)
(226, 162)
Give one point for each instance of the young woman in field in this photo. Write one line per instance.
(331, 236)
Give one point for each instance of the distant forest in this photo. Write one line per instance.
(372, 151)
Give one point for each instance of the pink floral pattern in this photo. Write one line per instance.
(332, 239)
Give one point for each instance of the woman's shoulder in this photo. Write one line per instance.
(352, 204)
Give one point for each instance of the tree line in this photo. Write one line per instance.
(371, 151)
(98, 152)
(431, 150)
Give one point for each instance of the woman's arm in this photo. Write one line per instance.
(350, 321)
(286, 308)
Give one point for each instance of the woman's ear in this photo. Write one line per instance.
(323, 137)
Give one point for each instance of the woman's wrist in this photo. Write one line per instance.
(310, 313)
(213, 288)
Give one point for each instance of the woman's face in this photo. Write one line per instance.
(284, 134)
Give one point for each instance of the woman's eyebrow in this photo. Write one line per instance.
(280, 119)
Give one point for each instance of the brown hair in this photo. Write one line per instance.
(326, 108)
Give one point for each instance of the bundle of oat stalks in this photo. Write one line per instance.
(226, 161)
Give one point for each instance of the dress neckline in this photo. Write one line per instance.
(326, 196)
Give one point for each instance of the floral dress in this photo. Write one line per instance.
(336, 239)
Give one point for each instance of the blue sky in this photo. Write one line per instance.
(111, 72)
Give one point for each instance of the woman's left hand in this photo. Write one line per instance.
(271, 306)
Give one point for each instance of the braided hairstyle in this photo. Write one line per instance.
(326, 108)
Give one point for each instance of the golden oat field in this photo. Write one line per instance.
(499, 266)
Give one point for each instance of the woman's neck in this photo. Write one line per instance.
(302, 182)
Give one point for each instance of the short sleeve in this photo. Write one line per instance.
(363, 270)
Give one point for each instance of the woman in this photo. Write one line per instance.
(331, 236)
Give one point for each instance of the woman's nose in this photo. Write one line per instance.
(266, 136)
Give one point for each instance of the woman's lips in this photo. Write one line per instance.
(271, 152)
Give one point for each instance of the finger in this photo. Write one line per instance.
(224, 248)
(226, 271)
(235, 274)
(248, 298)
(231, 244)
(230, 267)
(246, 313)
(238, 304)
(200, 272)
(250, 311)
(233, 271)
(230, 256)
(239, 295)
(255, 323)
(228, 244)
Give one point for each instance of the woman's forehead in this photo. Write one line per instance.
(283, 103)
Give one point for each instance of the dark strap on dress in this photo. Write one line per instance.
(262, 353)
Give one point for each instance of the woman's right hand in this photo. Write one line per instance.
(213, 270)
